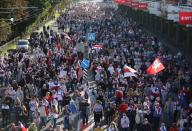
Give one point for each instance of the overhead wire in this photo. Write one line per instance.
(23, 19)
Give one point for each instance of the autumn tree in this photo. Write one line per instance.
(5, 30)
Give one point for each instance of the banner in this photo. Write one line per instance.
(123, 2)
(128, 3)
(119, 1)
(134, 4)
(143, 6)
(185, 18)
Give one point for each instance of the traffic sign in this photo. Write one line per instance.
(91, 36)
(85, 63)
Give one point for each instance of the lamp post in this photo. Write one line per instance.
(12, 20)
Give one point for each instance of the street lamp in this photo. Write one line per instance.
(12, 20)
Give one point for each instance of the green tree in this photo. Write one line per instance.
(41, 4)
(5, 30)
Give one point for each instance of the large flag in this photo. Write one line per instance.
(155, 67)
(97, 47)
(123, 108)
(128, 71)
(23, 127)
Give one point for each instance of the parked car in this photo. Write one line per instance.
(22, 44)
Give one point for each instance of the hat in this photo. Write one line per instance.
(145, 119)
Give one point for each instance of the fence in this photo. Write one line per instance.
(174, 34)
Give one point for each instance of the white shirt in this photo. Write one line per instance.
(45, 103)
(42, 111)
(54, 115)
(55, 102)
(33, 105)
(60, 95)
(125, 122)
(19, 94)
(12, 94)
(111, 69)
(5, 107)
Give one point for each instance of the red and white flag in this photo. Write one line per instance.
(67, 36)
(97, 47)
(128, 71)
(23, 127)
(155, 67)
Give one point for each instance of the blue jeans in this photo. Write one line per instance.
(53, 122)
(66, 122)
(43, 120)
(85, 117)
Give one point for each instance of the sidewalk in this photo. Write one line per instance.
(12, 44)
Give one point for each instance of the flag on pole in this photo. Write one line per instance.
(97, 47)
(128, 71)
(67, 36)
(155, 67)
(23, 127)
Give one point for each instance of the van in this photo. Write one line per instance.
(22, 44)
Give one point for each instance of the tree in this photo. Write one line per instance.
(2, 3)
(5, 30)
(41, 4)
(19, 12)
(63, 4)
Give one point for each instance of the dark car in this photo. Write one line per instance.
(34, 35)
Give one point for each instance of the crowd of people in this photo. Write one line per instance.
(46, 82)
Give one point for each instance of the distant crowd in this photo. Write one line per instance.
(46, 82)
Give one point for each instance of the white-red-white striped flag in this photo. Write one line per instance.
(23, 127)
(97, 47)
(67, 36)
(128, 71)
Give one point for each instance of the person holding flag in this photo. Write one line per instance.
(155, 67)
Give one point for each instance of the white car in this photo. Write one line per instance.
(22, 44)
